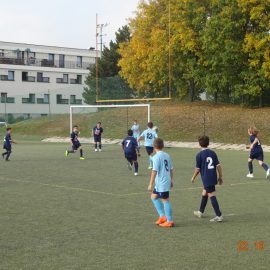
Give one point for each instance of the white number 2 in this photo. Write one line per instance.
(209, 160)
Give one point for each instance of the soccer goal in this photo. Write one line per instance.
(111, 115)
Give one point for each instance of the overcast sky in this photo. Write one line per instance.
(69, 23)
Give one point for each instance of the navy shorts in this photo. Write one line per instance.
(7, 147)
(162, 195)
(97, 139)
(149, 150)
(258, 156)
(76, 145)
(210, 189)
(131, 157)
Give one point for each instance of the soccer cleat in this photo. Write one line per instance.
(167, 224)
(95, 150)
(81, 158)
(66, 153)
(3, 156)
(217, 219)
(198, 214)
(150, 168)
(250, 175)
(161, 220)
(129, 166)
(268, 174)
(99, 150)
(136, 174)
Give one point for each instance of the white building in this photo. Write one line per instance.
(41, 80)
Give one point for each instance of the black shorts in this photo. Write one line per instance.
(258, 156)
(149, 150)
(97, 139)
(76, 145)
(162, 195)
(7, 147)
(210, 189)
(131, 157)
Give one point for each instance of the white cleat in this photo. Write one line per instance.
(150, 168)
(136, 174)
(250, 175)
(268, 174)
(198, 214)
(129, 166)
(217, 219)
(95, 150)
(99, 150)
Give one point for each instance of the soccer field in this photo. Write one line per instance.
(60, 212)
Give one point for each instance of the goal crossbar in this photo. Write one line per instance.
(107, 106)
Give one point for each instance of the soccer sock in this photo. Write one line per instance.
(203, 203)
(136, 166)
(4, 153)
(250, 167)
(150, 161)
(265, 166)
(168, 211)
(215, 205)
(100, 146)
(159, 207)
(71, 151)
(8, 155)
(95, 145)
(81, 152)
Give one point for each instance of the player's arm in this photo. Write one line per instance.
(255, 141)
(152, 180)
(172, 182)
(220, 174)
(196, 173)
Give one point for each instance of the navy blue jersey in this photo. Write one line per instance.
(74, 137)
(97, 131)
(130, 145)
(206, 162)
(257, 148)
(7, 140)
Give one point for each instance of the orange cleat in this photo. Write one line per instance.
(167, 224)
(161, 220)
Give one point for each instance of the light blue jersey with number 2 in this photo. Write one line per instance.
(149, 136)
(162, 164)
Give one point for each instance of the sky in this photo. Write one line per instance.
(68, 23)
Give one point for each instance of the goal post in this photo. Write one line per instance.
(147, 106)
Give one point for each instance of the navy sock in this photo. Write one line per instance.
(71, 151)
(215, 205)
(250, 167)
(81, 152)
(96, 145)
(203, 203)
(265, 166)
(100, 146)
(136, 167)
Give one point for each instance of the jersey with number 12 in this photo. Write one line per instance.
(149, 136)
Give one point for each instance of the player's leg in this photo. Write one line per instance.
(129, 162)
(168, 210)
(81, 152)
(95, 142)
(250, 168)
(204, 201)
(136, 164)
(260, 159)
(212, 195)
(150, 151)
(8, 154)
(159, 207)
(100, 145)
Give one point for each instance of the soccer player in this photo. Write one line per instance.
(136, 131)
(96, 133)
(130, 148)
(7, 144)
(161, 181)
(256, 152)
(149, 135)
(75, 143)
(207, 165)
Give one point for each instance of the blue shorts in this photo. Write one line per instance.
(7, 147)
(162, 195)
(97, 139)
(210, 189)
(258, 156)
(149, 150)
(131, 156)
(76, 145)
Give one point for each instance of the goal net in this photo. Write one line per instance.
(115, 119)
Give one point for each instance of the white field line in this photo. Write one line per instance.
(117, 194)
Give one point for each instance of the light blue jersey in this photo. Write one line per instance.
(149, 136)
(162, 164)
(136, 131)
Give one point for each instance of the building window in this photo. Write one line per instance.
(39, 77)
(79, 61)
(2, 53)
(65, 78)
(44, 100)
(30, 100)
(6, 99)
(76, 81)
(75, 101)
(61, 60)
(51, 59)
(26, 78)
(60, 100)
(11, 75)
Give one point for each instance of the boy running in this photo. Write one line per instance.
(207, 165)
(96, 133)
(149, 135)
(136, 131)
(161, 182)
(130, 148)
(75, 143)
(7, 144)
(256, 152)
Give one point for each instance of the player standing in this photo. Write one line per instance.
(96, 133)
(256, 152)
(149, 135)
(75, 143)
(162, 181)
(7, 144)
(207, 165)
(130, 148)
(136, 131)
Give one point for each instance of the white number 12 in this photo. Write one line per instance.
(209, 160)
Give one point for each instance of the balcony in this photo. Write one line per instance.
(75, 81)
(43, 79)
(31, 61)
(76, 102)
(7, 100)
(42, 101)
(28, 101)
(29, 79)
(62, 101)
(61, 80)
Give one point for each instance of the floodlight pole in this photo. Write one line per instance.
(97, 86)
(170, 67)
